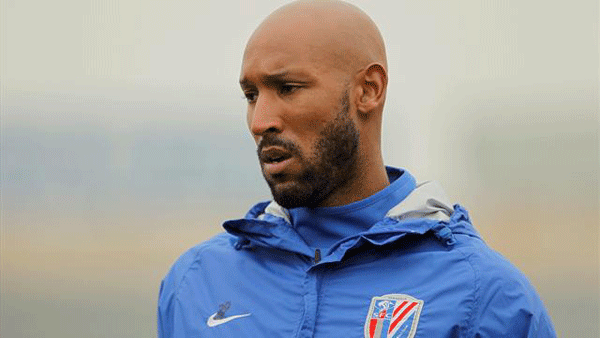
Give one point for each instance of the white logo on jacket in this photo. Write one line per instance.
(219, 318)
(212, 321)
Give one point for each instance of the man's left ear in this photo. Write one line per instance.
(373, 83)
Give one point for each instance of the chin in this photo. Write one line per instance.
(290, 194)
(295, 194)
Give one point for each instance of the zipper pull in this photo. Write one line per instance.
(444, 234)
(317, 256)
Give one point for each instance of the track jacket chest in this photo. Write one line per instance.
(296, 292)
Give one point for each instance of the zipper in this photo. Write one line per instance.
(306, 329)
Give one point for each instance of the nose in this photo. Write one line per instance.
(263, 116)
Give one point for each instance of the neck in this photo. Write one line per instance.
(322, 227)
(368, 179)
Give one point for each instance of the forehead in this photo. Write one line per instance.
(261, 63)
(286, 49)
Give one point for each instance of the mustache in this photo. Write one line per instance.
(276, 141)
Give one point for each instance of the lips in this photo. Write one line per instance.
(273, 155)
(276, 160)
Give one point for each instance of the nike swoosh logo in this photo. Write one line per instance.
(212, 322)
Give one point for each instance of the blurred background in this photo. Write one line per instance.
(124, 144)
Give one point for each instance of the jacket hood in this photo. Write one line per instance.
(425, 209)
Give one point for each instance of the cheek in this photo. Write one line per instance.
(309, 120)
(315, 125)
(307, 129)
(307, 141)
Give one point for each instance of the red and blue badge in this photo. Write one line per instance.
(393, 316)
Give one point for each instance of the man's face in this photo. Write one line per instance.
(328, 166)
(299, 115)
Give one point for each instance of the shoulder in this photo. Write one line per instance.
(505, 302)
(190, 262)
(187, 264)
(193, 257)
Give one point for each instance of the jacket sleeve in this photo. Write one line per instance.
(164, 325)
(508, 306)
(168, 309)
(166, 305)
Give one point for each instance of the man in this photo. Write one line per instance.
(349, 247)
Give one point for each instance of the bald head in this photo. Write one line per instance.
(334, 33)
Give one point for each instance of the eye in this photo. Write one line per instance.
(251, 96)
(288, 88)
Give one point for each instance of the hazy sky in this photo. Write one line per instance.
(133, 61)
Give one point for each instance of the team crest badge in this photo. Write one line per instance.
(393, 316)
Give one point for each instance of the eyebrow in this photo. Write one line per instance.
(271, 79)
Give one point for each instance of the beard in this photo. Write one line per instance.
(331, 166)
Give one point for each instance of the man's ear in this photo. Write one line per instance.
(372, 85)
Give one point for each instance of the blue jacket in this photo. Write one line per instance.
(422, 271)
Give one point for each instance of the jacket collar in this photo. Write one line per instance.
(425, 209)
